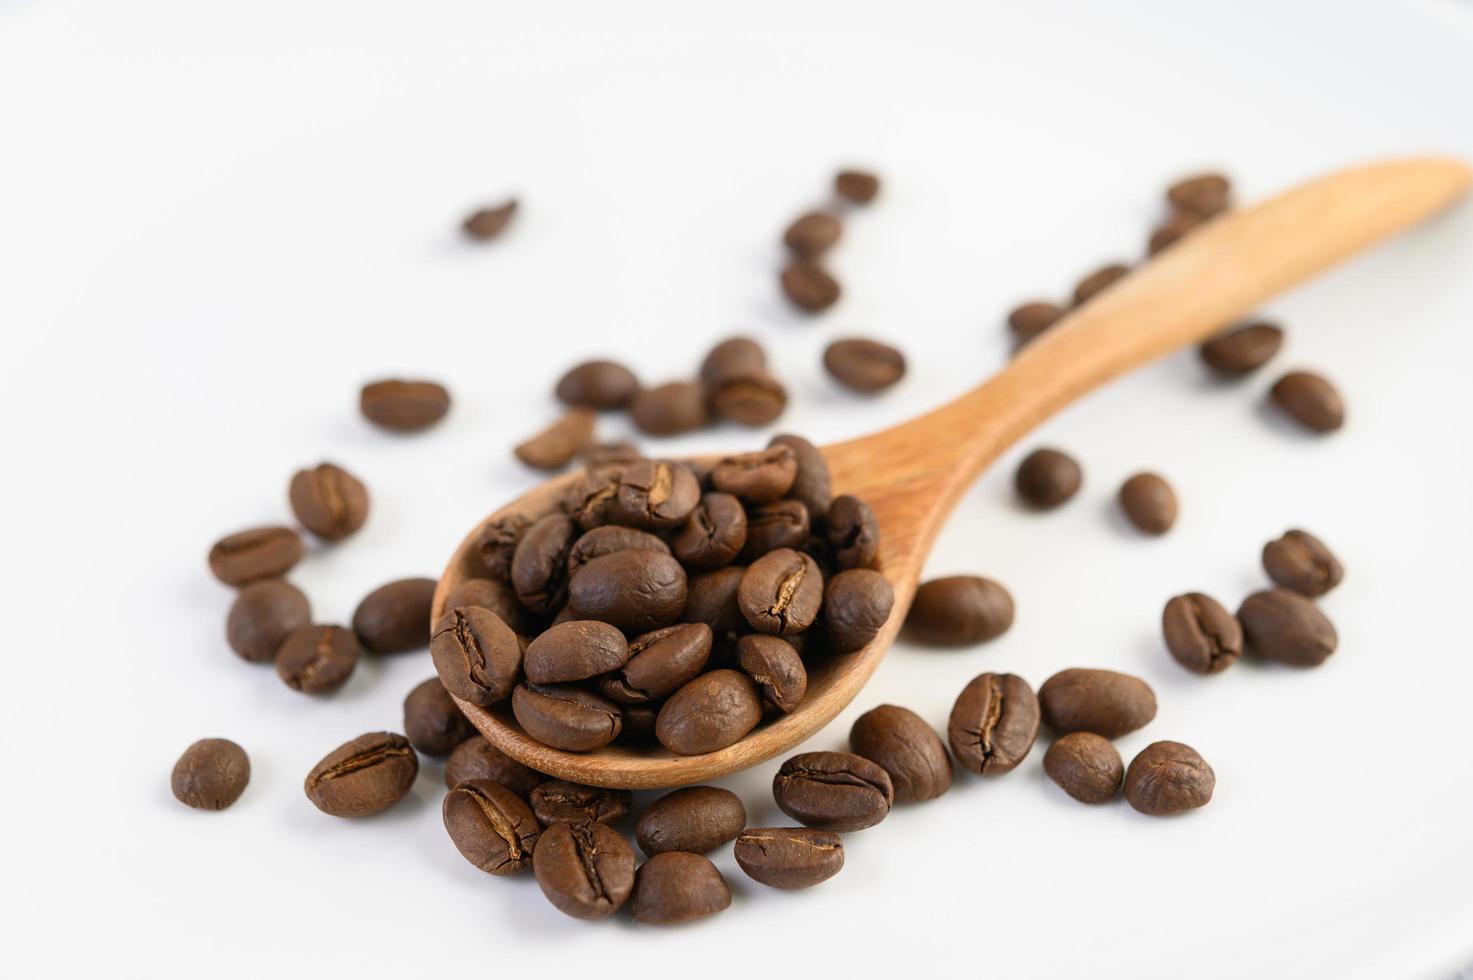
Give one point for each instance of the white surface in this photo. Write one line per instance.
(216, 223)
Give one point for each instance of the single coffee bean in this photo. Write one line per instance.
(329, 501)
(497, 542)
(1098, 281)
(1047, 478)
(749, 399)
(1086, 766)
(1286, 627)
(1149, 502)
(636, 591)
(1310, 400)
(864, 365)
(775, 668)
(1300, 561)
(1105, 702)
(317, 659)
(558, 801)
(1032, 319)
(660, 662)
(812, 234)
(733, 357)
(1242, 350)
(476, 654)
(494, 596)
(809, 287)
(491, 826)
(676, 887)
(488, 223)
(713, 534)
(404, 406)
(811, 487)
(669, 409)
(853, 533)
(555, 446)
(789, 857)
(539, 568)
(597, 385)
(604, 453)
(759, 477)
(780, 524)
(656, 495)
(1168, 777)
(833, 791)
(262, 616)
(432, 721)
(697, 819)
(592, 499)
(1175, 228)
(585, 870)
(993, 723)
(364, 776)
(476, 758)
(1202, 636)
(1204, 195)
(781, 592)
(900, 742)
(574, 651)
(255, 555)
(566, 718)
(212, 773)
(608, 539)
(857, 186)
(714, 599)
(709, 713)
(856, 604)
(395, 618)
(959, 610)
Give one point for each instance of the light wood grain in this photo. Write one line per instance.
(913, 474)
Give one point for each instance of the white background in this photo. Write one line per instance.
(217, 222)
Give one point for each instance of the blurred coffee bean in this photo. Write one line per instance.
(1310, 400)
(404, 406)
(1300, 561)
(959, 610)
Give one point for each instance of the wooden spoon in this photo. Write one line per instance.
(913, 474)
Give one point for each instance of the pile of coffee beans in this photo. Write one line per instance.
(805, 279)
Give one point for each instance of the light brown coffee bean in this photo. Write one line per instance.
(317, 659)
(670, 409)
(488, 223)
(262, 616)
(863, 365)
(1203, 195)
(364, 776)
(857, 186)
(812, 234)
(993, 723)
(1299, 561)
(329, 501)
(555, 446)
(598, 385)
(491, 826)
(959, 610)
(1169, 777)
(212, 773)
(1105, 702)
(781, 592)
(404, 406)
(1309, 399)
(255, 555)
(809, 287)
(1086, 766)
(1149, 502)
(1202, 636)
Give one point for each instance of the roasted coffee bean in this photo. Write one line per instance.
(1098, 281)
(713, 599)
(476, 758)
(669, 409)
(713, 534)
(574, 651)
(660, 661)
(781, 592)
(780, 524)
(1086, 766)
(491, 826)
(604, 453)
(993, 723)
(493, 595)
(404, 406)
(262, 616)
(362, 777)
(1203, 195)
(811, 487)
(656, 495)
(586, 870)
(1105, 702)
(566, 718)
(432, 721)
(496, 544)
(608, 539)
(901, 743)
(476, 654)
(1032, 319)
(1242, 350)
(789, 857)
(555, 446)
(636, 591)
(488, 223)
(255, 555)
(539, 568)
(597, 385)
(317, 659)
(759, 477)
(809, 287)
(1149, 502)
(1168, 777)
(1177, 227)
(395, 618)
(592, 499)
(676, 887)
(212, 773)
(697, 819)
(1300, 561)
(853, 533)
(833, 791)
(559, 801)
(857, 186)
(749, 399)
(856, 605)
(864, 365)
(959, 610)
(1202, 636)
(775, 668)
(1047, 478)
(329, 501)
(812, 234)
(709, 713)
(733, 357)
(1285, 626)
(1310, 400)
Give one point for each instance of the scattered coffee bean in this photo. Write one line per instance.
(910, 752)
(566, 718)
(558, 801)
(755, 399)
(1242, 350)
(1149, 502)
(597, 385)
(864, 365)
(858, 186)
(1286, 627)
(1310, 400)
(364, 776)
(809, 287)
(476, 758)
(1047, 478)
(1202, 636)
(775, 668)
(709, 713)
(759, 477)
(539, 566)
(554, 447)
(812, 234)
(1032, 319)
(488, 223)
(317, 659)
(1299, 561)
(714, 533)
(497, 542)
(1203, 195)
(491, 826)
(853, 533)
(656, 495)
(676, 887)
(781, 592)
(660, 662)
(585, 870)
(329, 501)
(259, 553)
(211, 774)
(491, 595)
(404, 406)
(476, 655)
(432, 721)
(262, 616)
(993, 723)
(574, 651)
(669, 409)
(959, 610)
(1105, 702)
(789, 857)
(1168, 777)
(636, 591)
(833, 791)
(733, 357)
(1098, 281)
(856, 605)
(395, 618)
(1086, 766)
(1177, 227)
(811, 487)
(697, 819)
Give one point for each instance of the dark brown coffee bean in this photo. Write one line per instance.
(959, 610)
(1177, 227)
(491, 826)
(1047, 478)
(255, 555)
(317, 659)
(212, 773)
(713, 599)
(404, 406)
(555, 446)
(670, 409)
(597, 385)
(1203, 195)
(857, 186)
(493, 595)
(781, 592)
(1242, 350)
(749, 399)
(856, 604)
(395, 618)
(1105, 702)
(559, 801)
(605, 453)
(1202, 636)
(1310, 400)
(1168, 777)
(566, 718)
(713, 534)
(639, 723)
(262, 616)
(585, 870)
(497, 542)
(1032, 319)
(780, 524)
(364, 776)
(539, 568)
(775, 668)
(676, 887)
(1086, 766)
(488, 223)
(811, 487)
(476, 654)
(853, 533)
(709, 713)
(432, 721)
(476, 758)
(608, 539)
(864, 365)
(1149, 502)
(993, 723)
(656, 495)
(812, 234)
(636, 591)
(833, 791)
(759, 477)
(697, 819)
(809, 287)
(1098, 281)
(329, 501)
(575, 651)
(592, 498)
(1286, 627)
(733, 357)
(660, 661)
(900, 742)
(1300, 561)
(789, 857)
